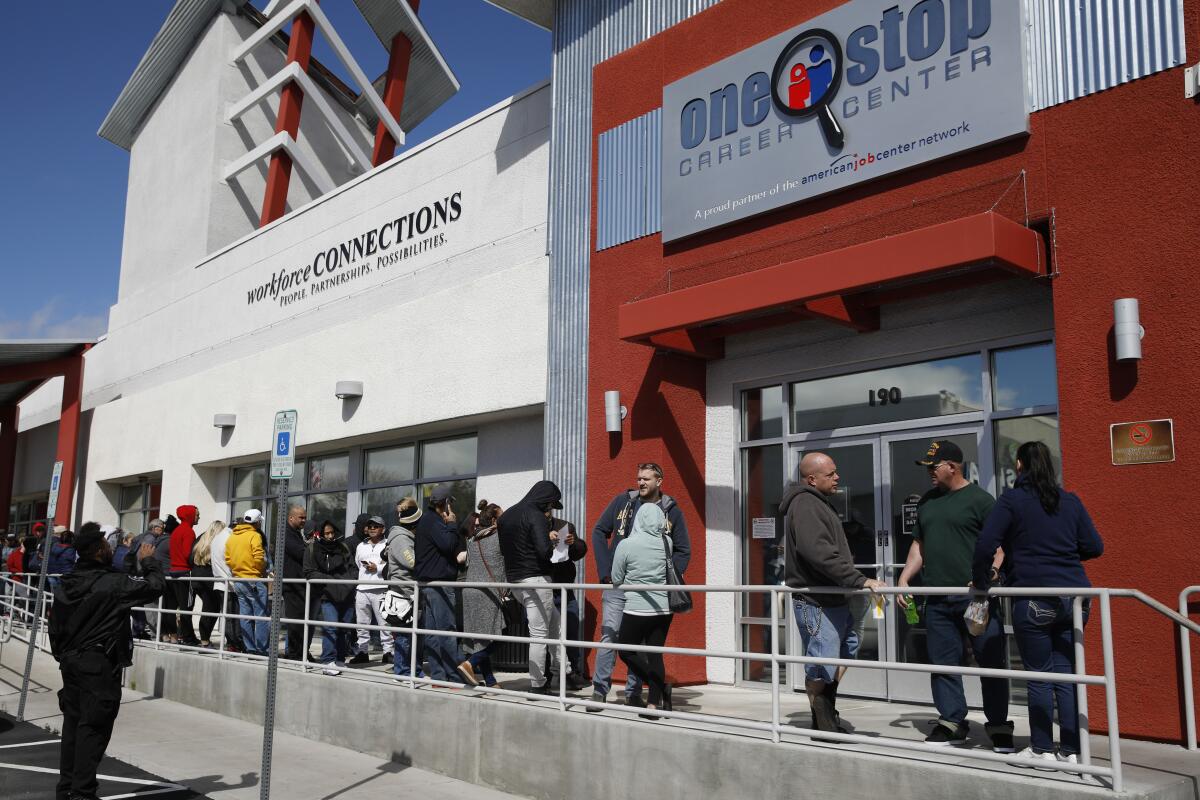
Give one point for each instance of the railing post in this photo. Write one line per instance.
(1110, 691)
(562, 649)
(158, 619)
(224, 620)
(305, 642)
(1185, 651)
(774, 597)
(412, 630)
(1081, 689)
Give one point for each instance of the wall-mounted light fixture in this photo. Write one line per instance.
(1127, 329)
(348, 390)
(614, 412)
(224, 420)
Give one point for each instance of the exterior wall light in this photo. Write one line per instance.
(348, 390)
(1127, 329)
(614, 412)
(224, 421)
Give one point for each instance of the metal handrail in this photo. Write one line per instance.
(1185, 651)
(775, 728)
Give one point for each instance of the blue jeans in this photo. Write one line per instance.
(442, 652)
(825, 632)
(1046, 640)
(402, 654)
(252, 600)
(481, 662)
(335, 642)
(610, 625)
(946, 636)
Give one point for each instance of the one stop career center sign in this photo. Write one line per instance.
(865, 90)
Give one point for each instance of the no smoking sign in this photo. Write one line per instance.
(1141, 433)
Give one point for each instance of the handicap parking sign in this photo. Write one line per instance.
(283, 452)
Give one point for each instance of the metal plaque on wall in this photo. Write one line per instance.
(1147, 442)
(865, 90)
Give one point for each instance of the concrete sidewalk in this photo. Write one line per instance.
(219, 757)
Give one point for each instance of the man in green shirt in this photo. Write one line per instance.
(949, 519)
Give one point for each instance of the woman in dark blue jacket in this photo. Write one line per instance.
(1046, 533)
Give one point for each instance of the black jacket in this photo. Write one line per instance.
(564, 571)
(330, 560)
(91, 609)
(435, 545)
(524, 533)
(293, 556)
(817, 551)
(616, 523)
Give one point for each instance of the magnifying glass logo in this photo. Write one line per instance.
(806, 78)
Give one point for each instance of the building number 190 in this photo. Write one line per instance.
(883, 396)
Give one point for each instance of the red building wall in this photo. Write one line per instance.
(1111, 169)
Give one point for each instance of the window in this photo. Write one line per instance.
(22, 514)
(415, 470)
(137, 504)
(318, 483)
(912, 391)
(1024, 377)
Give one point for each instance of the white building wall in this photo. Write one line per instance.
(448, 339)
(965, 318)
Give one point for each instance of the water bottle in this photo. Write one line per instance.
(910, 611)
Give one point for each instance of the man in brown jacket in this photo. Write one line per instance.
(819, 555)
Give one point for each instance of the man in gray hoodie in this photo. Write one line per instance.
(819, 555)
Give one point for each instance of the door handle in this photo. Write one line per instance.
(881, 537)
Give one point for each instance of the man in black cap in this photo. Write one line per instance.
(949, 519)
(436, 545)
(91, 636)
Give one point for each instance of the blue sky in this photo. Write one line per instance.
(62, 188)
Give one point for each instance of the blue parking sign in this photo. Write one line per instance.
(284, 445)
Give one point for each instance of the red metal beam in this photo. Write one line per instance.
(68, 438)
(844, 310)
(399, 59)
(689, 343)
(37, 370)
(986, 238)
(291, 100)
(9, 416)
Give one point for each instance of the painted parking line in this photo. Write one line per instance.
(159, 787)
(30, 744)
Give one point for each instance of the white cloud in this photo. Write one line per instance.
(51, 321)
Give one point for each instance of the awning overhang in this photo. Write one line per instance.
(25, 364)
(845, 286)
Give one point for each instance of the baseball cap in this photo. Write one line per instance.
(939, 451)
(253, 516)
(441, 494)
(374, 522)
(59, 530)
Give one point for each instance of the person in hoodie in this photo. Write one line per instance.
(613, 526)
(220, 568)
(179, 595)
(326, 557)
(525, 543)
(435, 546)
(90, 636)
(247, 558)
(818, 554)
(641, 558)
(62, 555)
(402, 560)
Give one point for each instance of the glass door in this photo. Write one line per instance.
(857, 502)
(904, 483)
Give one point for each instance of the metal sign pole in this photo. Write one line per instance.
(283, 461)
(35, 626)
(273, 639)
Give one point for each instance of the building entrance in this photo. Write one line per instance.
(879, 487)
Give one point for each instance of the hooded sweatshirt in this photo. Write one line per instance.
(244, 552)
(91, 609)
(183, 539)
(524, 533)
(641, 558)
(332, 561)
(617, 520)
(402, 557)
(817, 551)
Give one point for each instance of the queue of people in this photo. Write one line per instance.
(1036, 534)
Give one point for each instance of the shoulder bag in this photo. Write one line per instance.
(514, 613)
(678, 600)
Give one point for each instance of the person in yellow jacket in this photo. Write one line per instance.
(247, 558)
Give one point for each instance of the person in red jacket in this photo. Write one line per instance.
(179, 592)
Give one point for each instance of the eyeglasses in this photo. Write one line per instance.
(652, 467)
(934, 467)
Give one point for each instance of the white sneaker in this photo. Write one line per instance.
(1029, 758)
(331, 671)
(1069, 758)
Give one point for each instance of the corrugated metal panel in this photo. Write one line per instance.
(629, 181)
(586, 32)
(170, 46)
(1077, 47)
